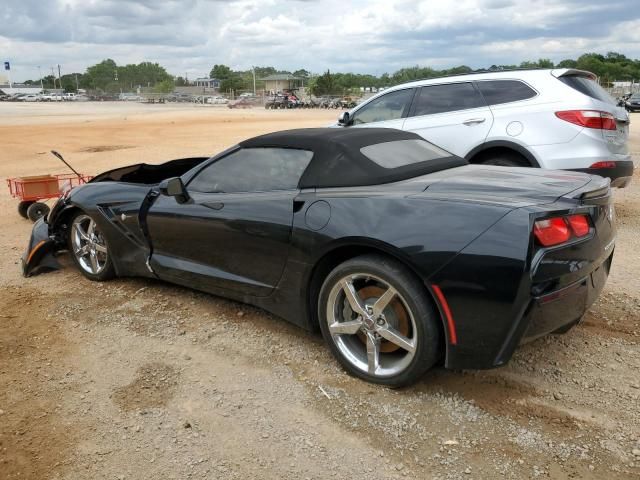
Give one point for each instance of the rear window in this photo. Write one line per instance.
(505, 91)
(588, 87)
(402, 152)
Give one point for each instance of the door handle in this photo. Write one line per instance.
(297, 205)
(213, 205)
(473, 121)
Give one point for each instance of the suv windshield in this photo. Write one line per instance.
(588, 87)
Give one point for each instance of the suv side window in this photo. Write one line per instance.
(447, 98)
(505, 91)
(253, 170)
(390, 106)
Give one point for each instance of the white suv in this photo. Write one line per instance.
(558, 119)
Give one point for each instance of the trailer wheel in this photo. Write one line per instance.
(23, 207)
(37, 210)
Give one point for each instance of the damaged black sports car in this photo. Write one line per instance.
(402, 254)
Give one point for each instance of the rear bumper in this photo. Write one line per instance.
(620, 175)
(559, 310)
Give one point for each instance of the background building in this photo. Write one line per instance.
(212, 83)
(281, 81)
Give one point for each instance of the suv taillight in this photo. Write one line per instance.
(589, 119)
(557, 230)
(606, 164)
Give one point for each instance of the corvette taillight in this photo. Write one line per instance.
(589, 118)
(557, 230)
(579, 224)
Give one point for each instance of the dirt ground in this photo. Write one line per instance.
(136, 379)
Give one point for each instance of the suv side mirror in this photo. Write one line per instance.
(173, 187)
(344, 119)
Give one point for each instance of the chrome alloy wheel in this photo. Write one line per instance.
(89, 245)
(371, 325)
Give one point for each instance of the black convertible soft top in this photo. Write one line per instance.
(339, 162)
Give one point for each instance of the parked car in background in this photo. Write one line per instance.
(31, 97)
(103, 97)
(217, 100)
(241, 103)
(633, 103)
(557, 119)
(51, 97)
(130, 97)
(179, 97)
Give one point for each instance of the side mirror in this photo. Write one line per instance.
(344, 119)
(173, 187)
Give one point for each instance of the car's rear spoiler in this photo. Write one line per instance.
(565, 72)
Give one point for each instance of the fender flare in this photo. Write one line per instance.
(504, 144)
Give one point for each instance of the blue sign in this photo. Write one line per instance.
(7, 66)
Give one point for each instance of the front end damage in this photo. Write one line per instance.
(39, 256)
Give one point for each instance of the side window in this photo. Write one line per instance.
(447, 98)
(390, 106)
(504, 91)
(253, 170)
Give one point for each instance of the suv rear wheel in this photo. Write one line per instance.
(505, 159)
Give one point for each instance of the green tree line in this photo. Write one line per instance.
(107, 76)
(610, 67)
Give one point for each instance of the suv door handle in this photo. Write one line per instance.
(213, 205)
(473, 121)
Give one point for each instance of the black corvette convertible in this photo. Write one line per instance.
(399, 252)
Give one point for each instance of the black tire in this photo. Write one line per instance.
(23, 207)
(427, 336)
(37, 210)
(108, 271)
(505, 160)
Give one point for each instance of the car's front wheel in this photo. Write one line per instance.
(378, 321)
(89, 249)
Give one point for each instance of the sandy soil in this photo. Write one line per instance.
(138, 379)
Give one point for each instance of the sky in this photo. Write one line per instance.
(373, 36)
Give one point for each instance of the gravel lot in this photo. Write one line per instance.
(136, 379)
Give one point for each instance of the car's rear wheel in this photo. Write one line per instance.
(89, 249)
(378, 321)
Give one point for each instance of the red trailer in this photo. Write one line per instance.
(32, 190)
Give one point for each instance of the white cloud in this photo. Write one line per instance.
(189, 36)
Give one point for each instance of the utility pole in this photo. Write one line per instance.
(40, 75)
(253, 69)
(59, 78)
(77, 87)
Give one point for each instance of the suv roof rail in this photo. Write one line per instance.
(478, 72)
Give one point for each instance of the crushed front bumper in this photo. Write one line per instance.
(39, 254)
